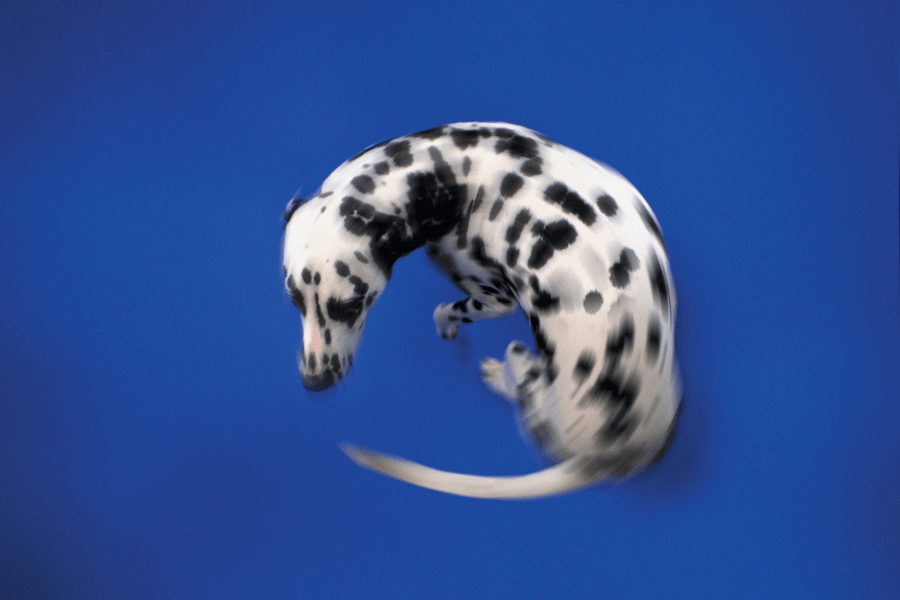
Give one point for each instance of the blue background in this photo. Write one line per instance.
(155, 439)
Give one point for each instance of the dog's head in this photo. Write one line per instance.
(333, 279)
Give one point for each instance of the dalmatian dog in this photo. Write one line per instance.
(515, 220)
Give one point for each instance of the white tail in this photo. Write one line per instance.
(558, 479)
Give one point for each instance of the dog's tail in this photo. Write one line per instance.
(558, 479)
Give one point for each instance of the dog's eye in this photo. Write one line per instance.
(345, 311)
(296, 295)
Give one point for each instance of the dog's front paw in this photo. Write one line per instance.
(447, 324)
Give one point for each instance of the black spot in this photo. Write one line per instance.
(518, 224)
(511, 184)
(435, 204)
(463, 228)
(306, 275)
(592, 302)
(516, 146)
(466, 165)
(649, 221)
(311, 361)
(479, 196)
(553, 236)
(383, 168)
(619, 428)
(361, 257)
(658, 283)
(464, 138)
(296, 295)
(540, 340)
(653, 340)
(512, 256)
(460, 306)
(327, 336)
(476, 304)
(344, 311)
(442, 169)
(542, 300)
(618, 342)
(341, 268)
(619, 395)
(559, 233)
(351, 205)
(363, 183)
(545, 301)
(541, 252)
(360, 287)
(495, 209)
(430, 134)
(570, 202)
(584, 365)
(317, 278)
(399, 151)
(325, 194)
(320, 316)
(552, 372)
(532, 167)
(478, 254)
(619, 273)
(607, 205)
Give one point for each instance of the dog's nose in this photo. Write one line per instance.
(319, 381)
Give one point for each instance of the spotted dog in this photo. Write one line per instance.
(514, 219)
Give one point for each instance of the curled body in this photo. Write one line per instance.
(515, 220)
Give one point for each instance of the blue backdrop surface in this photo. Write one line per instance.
(155, 439)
